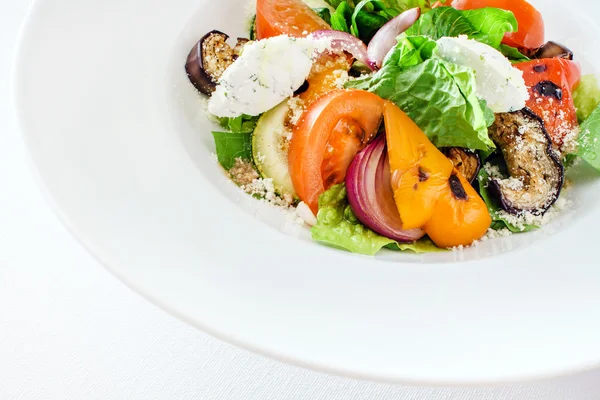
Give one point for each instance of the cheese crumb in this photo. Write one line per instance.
(264, 189)
(341, 77)
(296, 110)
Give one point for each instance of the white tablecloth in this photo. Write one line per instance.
(69, 330)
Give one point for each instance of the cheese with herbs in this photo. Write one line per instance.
(267, 72)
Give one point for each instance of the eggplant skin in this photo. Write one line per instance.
(467, 162)
(209, 58)
(550, 50)
(536, 172)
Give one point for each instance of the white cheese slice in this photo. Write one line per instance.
(267, 72)
(500, 84)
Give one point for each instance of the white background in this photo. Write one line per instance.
(69, 330)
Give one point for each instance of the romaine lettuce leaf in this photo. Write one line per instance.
(337, 226)
(424, 245)
(589, 139)
(586, 97)
(487, 25)
(439, 96)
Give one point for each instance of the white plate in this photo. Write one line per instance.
(123, 152)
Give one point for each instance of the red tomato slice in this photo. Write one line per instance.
(550, 82)
(531, 24)
(286, 17)
(330, 133)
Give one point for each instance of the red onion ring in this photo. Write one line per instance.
(370, 194)
(385, 38)
(346, 42)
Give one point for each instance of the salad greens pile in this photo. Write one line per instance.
(363, 19)
(438, 95)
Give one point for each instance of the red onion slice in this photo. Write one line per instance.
(370, 193)
(346, 42)
(385, 38)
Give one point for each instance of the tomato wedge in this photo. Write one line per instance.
(531, 24)
(328, 136)
(550, 82)
(286, 17)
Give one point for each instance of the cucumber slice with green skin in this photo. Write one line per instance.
(270, 149)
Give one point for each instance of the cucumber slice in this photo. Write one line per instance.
(270, 147)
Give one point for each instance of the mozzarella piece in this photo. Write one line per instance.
(267, 72)
(500, 84)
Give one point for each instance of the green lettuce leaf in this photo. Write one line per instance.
(514, 55)
(367, 18)
(243, 123)
(487, 25)
(395, 5)
(424, 245)
(363, 19)
(337, 226)
(439, 96)
(403, 5)
(232, 145)
(341, 16)
(324, 13)
(336, 3)
(488, 114)
(586, 97)
(589, 139)
(498, 222)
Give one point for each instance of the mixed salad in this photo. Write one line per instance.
(400, 124)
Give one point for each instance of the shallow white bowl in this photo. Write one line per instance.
(123, 151)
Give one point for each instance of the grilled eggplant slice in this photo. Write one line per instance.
(465, 161)
(550, 50)
(536, 173)
(209, 58)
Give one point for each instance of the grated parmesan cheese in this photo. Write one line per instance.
(264, 189)
(524, 218)
(296, 109)
(341, 77)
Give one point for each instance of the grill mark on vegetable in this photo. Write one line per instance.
(423, 175)
(457, 188)
(540, 68)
